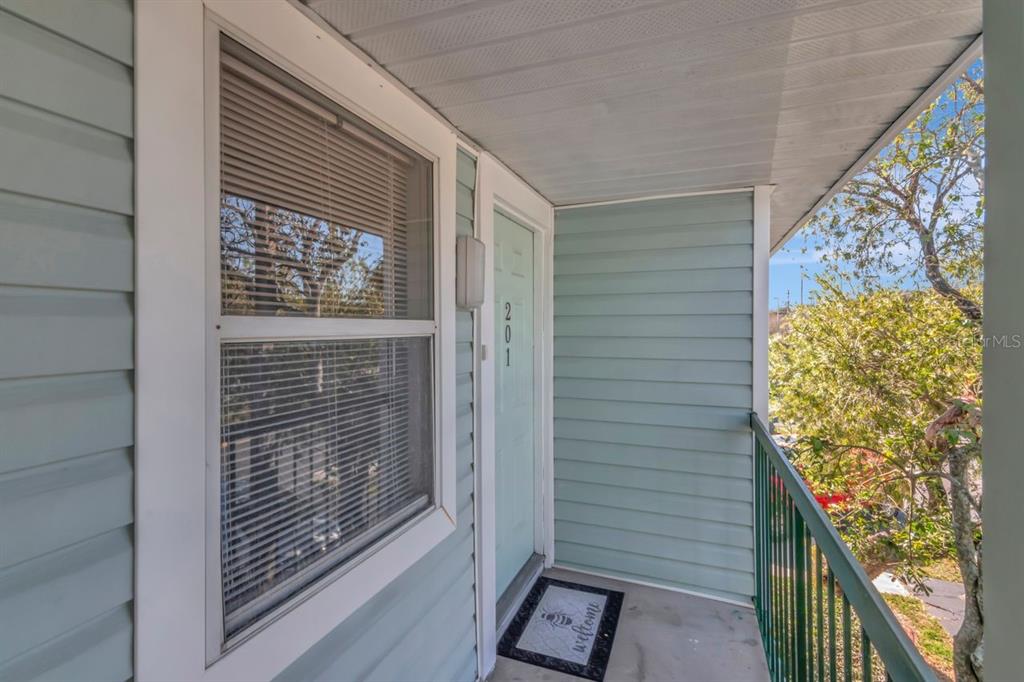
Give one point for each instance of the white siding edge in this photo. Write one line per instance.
(762, 255)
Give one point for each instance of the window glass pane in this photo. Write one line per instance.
(326, 446)
(321, 214)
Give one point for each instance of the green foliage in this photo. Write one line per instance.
(855, 383)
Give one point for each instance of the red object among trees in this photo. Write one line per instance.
(827, 500)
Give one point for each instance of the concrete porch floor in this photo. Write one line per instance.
(664, 636)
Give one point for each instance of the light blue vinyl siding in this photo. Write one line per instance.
(653, 350)
(66, 340)
(423, 625)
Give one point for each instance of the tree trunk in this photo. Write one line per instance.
(936, 278)
(967, 651)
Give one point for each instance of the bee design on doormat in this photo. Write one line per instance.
(557, 618)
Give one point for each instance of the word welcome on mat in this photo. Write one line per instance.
(566, 627)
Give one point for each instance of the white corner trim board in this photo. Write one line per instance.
(500, 188)
(173, 186)
(762, 256)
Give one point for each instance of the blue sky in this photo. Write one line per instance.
(799, 261)
(789, 266)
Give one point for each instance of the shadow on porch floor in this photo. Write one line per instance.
(665, 636)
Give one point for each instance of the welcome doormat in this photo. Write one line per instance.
(566, 627)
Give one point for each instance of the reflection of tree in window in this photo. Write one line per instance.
(278, 261)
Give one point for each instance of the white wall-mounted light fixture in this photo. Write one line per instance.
(469, 273)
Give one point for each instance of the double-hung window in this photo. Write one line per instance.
(295, 340)
(326, 340)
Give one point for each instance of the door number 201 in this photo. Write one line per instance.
(508, 334)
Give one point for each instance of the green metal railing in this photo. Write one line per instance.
(820, 617)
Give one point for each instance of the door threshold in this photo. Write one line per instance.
(517, 590)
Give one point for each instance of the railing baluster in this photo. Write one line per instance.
(769, 570)
(865, 655)
(766, 578)
(809, 602)
(773, 598)
(770, 625)
(832, 637)
(786, 585)
(790, 592)
(758, 536)
(780, 588)
(847, 640)
(799, 577)
(775, 573)
(799, 653)
(821, 615)
(787, 581)
(779, 585)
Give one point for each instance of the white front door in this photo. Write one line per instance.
(514, 398)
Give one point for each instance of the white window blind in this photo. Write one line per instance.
(320, 216)
(326, 444)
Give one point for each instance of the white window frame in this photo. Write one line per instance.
(177, 418)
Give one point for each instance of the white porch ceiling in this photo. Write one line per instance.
(591, 100)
